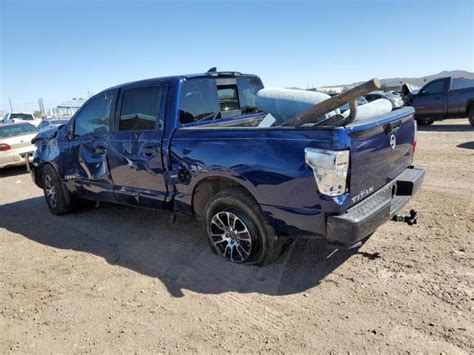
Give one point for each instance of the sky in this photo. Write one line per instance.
(58, 50)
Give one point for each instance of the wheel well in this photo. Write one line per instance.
(470, 106)
(208, 188)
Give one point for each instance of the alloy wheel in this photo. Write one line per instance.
(50, 191)
(230, 236)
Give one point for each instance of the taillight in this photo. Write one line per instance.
(330, 169)
(415, 135)
(4, 147)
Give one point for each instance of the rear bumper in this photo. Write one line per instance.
(16, 157)
(361, 220)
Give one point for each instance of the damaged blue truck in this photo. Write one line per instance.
(194, 145)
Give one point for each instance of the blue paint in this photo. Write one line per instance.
(268, 162)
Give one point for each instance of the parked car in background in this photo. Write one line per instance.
(360, 101)
(50, 123)
(443, 99)
(191, 144)
(15, 143)
(396, 100)
(13, 117)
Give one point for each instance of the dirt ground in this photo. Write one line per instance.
(119, 280)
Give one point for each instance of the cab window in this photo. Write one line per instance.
(140, 109)
(248, 88)
(436, 87)
(228, 97)
(94, 117)
(198, 101)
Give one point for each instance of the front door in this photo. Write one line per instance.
(429, 103)
(87, 171)
(135, 154)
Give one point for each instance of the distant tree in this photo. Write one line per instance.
(37, 114)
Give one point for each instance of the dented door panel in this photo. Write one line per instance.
(137, 169)
(89, 173)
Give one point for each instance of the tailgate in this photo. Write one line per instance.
(380, 150)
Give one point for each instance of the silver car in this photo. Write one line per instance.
(396, 100)
(15, 143)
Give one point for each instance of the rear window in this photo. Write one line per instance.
(228, 97)
(462, 84)
(140, 109)
(198, 101)
(16, 130)
(22, 116)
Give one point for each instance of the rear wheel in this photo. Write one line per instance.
(471, 114)
(237, 231)
(58, 198)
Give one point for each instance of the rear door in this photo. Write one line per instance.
(430, 102)
(135, 152)
(380, 150)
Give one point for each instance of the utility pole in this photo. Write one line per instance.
(41, 106)
(11, 107)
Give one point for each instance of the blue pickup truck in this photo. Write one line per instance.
(193, 145)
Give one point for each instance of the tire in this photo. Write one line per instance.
(424, 122)
(58, 198)
(237, 231)
(471, 115)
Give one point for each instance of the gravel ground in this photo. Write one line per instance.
(116, 279)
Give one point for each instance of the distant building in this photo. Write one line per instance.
(68, 108)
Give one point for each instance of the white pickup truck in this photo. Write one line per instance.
(13, 117)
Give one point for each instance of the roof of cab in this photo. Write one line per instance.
(179, 77)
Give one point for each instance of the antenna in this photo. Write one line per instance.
(212, 70)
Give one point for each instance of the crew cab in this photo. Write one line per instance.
(444, 98)
(192, 145)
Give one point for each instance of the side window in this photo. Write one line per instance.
(198, 101)
(462, 84)
(140, 109)
(248, 88)
(436, 87)
(94, 118)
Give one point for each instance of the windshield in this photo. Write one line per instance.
(16, 130)
(22, 116)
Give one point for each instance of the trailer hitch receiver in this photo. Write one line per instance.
(410, 220)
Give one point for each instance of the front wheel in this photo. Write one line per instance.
(58, 198)
(237, 231)
(471, 115)
(424, 122)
